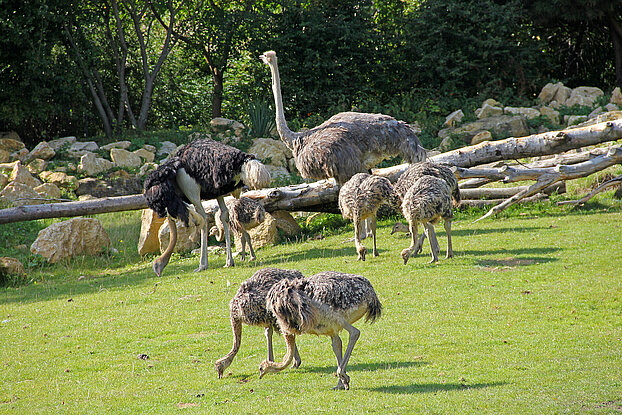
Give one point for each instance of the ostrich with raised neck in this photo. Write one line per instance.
(345, 144)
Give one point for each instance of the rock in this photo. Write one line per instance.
(10, 134)
(76, 236)
(551, 114)
(79, 148)
(4, 180)
(20, 154)
(93, 165)
(124, 158)
(11, 266)
(119, 144)
(167, 148)
(529, 113)
(48, 191)
(274, 151)
(62, 180)
(266, 233)
(616, 96)
(454, 118)
(220, 124)
(611, 107)
(18, 194)
(585, 96)
(21, 174)
(278, 173)
(188, 237)
(150, 148)
(41, 151)
(116, 184)
(574, 119)
(487, 111)
(36, 166)
(148, 241)
(286, 222)
(554, 92)
(60, 142)
(597, 111)
(481, 137)
(291, 166)
(503, 126)
(11, 145)
(146, 168)
(146, 155)
(5, 156)
(492, 102)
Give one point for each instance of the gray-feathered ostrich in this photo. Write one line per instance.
(359, 199)
(201, 170)
(427, 201)
(248, 306)
(345, 144)
(415, 172)
(244, 215)
(323, 304)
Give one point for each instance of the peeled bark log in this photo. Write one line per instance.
(500, 193)
(616, 181)
(490, 202)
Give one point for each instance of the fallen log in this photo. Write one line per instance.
(502, 193)
(616, 181)
(490, 202)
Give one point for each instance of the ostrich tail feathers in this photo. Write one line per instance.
(374, 309)
(161, 193)
(255, 175)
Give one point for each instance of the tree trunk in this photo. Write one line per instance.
(616, 37)
(217, 79)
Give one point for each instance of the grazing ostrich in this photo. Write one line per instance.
(345, 144)
(244, 214)
(249, 306)
(200, 170)
(323, 304)
(416, 171)
(359, 199)
(427, 201)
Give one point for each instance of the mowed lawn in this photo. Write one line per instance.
(526, 319)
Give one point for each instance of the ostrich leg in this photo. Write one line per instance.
(372, 223)
(192, 190)
(354, 334)
(434, 247)
(224, 217)
(450, 251)
(250, 245)
(337, 349)
(268, 332)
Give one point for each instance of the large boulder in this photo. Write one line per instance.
(145, 154)
(584, 96)
(11, 145)
(616, 96)
(188, 237)
(274, 151)
(41, 151)
(76, 236)
(48, 191)
(286, 222)
(124, 158)
(19, 194)
(21, 174)
(557, 93)
(148, 241)
(529, 113)
(60, 142)
(266, 233)
(117, 144)
(454, 118)
(80, 148)
(487, 111)
(60, 179)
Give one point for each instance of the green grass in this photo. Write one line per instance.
(527, 318)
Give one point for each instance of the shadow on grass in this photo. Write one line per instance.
(310, 254)
(355, 367)
(432, 387)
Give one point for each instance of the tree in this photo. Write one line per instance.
(586, 38)
(119, 32)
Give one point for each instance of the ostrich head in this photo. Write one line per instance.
(255, 175)
(267, 367)
(399, 227)
(362, 251)
(159, 264)
(269, 57)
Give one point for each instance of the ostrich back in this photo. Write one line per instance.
(427, 168)
(249, 303)
(316, 303)
(362, 195)
(427, 200)
(353, 142)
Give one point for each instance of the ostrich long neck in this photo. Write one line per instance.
(287, 135)
(290, 341)
(166, 255)
(236, 326)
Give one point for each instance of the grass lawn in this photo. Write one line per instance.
(526, 319)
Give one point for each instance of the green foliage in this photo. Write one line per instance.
(261, 118)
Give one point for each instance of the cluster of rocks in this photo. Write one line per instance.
(495, 119)
(84, 170)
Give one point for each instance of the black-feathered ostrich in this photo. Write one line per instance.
(323, 304)
(345, 144)
(248, 306)
(201, 170)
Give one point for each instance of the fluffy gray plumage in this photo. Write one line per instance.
(427, 168)
(248, 306)
(427, 201)
(323, 304)
(359, 199)
(244, 214)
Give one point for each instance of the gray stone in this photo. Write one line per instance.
(124, 158)
(118, 144)
(529, 113)
(616, 96)
(481, 137)
(21, 174)
(166, 148)
(41, 151)
(48, 191)
(503, 126)
(487, 111)
(584, 96)
(146, 155)
(60, 179)
(18, 194)
(93, 165)
(273, 150)
(551, 114)
(454, 118)
(60, 142)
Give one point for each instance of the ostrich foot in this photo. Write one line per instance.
(229, 265)
(344, 382)
(296, 363)
(201, 268)
(253, 258)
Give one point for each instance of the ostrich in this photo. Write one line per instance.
(200, 170)
(244, 214)
(416, 171)
(323, 304)
(345, 144)
(359, 199)
(249, 306)
(427, 201)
